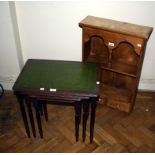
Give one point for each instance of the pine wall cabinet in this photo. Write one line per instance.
(118, 48)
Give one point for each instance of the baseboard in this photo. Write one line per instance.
(147, 84)
(145, 91)
(7, 85)
(7, 81)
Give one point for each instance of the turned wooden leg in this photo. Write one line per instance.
(85, 118)
(20, 99)
(92, 120)
(45, 111)
(29, 107)
(77, 118)
(38, 116)
(43, 108)
(40, 107)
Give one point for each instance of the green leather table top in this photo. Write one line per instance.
(59, 75)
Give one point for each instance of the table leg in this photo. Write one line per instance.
(77, 107)
(20, 99)
(29, 107)
(92, 120)
(38, 116)
(45, 111)
(85, 118)
(43, 108)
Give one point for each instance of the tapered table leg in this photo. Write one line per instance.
(20, 99)
(40, 107)
(77, 118)
(38, 116)
(45, 110)
(29, 107)
(85, 118)
(92, 120)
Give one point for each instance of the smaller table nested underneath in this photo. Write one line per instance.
(63, 81)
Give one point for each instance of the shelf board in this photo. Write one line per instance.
(119, 72)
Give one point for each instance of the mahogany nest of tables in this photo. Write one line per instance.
(64, 81)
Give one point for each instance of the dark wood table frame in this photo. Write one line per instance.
(35, 98)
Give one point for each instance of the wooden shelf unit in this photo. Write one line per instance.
(119, 48)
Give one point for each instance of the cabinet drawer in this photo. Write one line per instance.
(122, 106)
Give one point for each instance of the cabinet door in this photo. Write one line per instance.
(124, 58)
(112, 39)
(94, 47)
(112, 50)
(98, 51)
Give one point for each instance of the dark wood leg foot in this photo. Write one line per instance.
(92, 120)
(38, 117)
(28, 102)
(77, 119)
(85, 118)
(20, 99)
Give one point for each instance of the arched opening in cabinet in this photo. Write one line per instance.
(96, 51)
(124, 58)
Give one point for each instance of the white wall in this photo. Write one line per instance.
(49, 30)
(9, 67)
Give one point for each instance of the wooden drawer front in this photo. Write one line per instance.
(112, 39)
(122, 106)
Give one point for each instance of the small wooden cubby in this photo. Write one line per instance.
(119, 49)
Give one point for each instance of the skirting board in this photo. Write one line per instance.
(7, 85)
(7, 81)
(147, 84)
